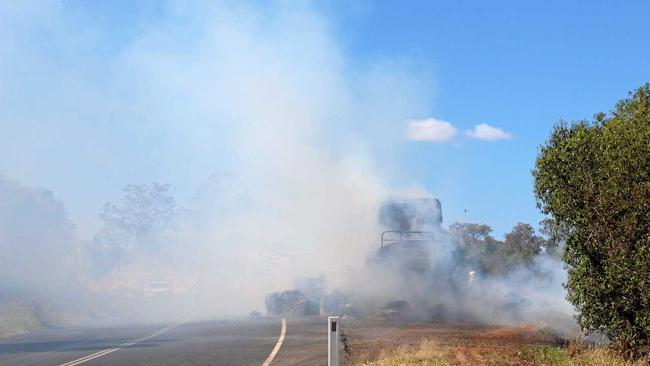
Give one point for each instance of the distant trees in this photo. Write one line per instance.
(138, 222)
(521, 245)
(593, 179)
(144, 210)
(476, 247)
(37, 241)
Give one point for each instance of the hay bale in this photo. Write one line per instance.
(290, 303)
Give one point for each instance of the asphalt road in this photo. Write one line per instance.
(222, 342)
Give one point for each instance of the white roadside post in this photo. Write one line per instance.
(333, 341)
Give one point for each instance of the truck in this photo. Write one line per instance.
(409, 229)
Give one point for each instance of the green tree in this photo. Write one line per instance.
(520, 247)
(593, 179)
(474, 245)
(145, 210)
(555, 235)
(476, 248)
(140, 222)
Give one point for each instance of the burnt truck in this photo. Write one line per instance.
(409, 231)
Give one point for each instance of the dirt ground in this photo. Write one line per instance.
(463, 344)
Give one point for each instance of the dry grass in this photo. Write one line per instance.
(18, 319)
(388, 344)
(574, 355)
(428, 353)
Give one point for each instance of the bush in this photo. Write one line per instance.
(593, 178)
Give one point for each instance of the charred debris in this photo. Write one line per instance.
(411, 228)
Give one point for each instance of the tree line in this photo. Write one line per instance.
(474, 247)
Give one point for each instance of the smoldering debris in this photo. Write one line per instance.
(255, 314)
(418, 272)
(397, 310)
(336, 303)
(290, 303)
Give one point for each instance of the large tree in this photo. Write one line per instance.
(593, 179)
(144, 210)
(139, 223)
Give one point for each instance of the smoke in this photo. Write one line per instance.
(450, 283)
(33, 219)
(302, 137)
(267, 96)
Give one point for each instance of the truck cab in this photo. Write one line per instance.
(408, 236)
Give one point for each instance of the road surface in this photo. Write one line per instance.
(205, 343)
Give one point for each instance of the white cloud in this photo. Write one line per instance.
(430, 129)
(486, 132)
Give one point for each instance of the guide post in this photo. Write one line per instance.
(333, 341)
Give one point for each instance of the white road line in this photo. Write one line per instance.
(95, 355)
(277, 345)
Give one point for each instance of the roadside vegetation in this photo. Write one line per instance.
(574, 355)
(428, 353)
(593, 179)
(16, 319)
(38, 238)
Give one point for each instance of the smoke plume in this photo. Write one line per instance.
(280, 149)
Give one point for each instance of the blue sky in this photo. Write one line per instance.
(517, 65)
(102, 94)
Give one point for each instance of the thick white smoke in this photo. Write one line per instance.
(268, 96)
